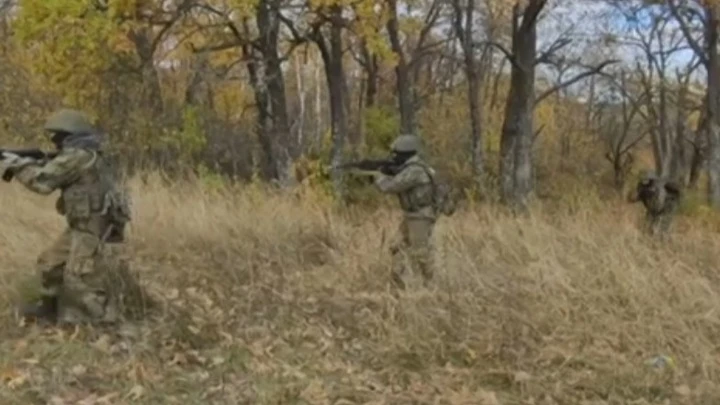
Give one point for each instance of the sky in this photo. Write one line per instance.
(588, 22)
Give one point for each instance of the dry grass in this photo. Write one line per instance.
(283, 300)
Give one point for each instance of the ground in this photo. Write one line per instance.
(270, 299)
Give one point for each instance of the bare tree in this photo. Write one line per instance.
(475, 72)
(409, 62)
(619, 127)
(325, 30)
(690, 14)
(658, 45)
(516, 168)
(259, 43)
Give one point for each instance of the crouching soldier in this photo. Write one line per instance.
(76, 286)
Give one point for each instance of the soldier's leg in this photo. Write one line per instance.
(421, 246)
(124, 288)
(85, 296)
(650, 223)
(669, 212)
(398, 250)
(50, 267)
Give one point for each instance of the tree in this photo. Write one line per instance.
(705, 13)
(658, 43)
(258, 36)
(325, 30)
(475, 72)
(619, 127)
(409, 62)
(516, 167)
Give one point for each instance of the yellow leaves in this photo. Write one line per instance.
(327, 3)
(122, 8)
(243, 8)
(230, 100)
(120, 44)
(68, 43)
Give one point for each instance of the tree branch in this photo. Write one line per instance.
(554, 47)
(699, 51)
(597, 69)
(502, 49)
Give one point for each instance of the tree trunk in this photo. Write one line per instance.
(403, 77)
(372, 69)
(152, 93)
(198, 92)
(268, 26)
(475, 105)
(517, 132)
(464, 30)
(713, 112)
(699, 148)
(263, 126)
(331, 51)
(268, 83)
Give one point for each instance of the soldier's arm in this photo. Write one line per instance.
(411, 177)
(62, 170)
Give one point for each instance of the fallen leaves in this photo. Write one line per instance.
(136, 393)
(14, 378)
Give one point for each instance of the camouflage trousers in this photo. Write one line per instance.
(413, 250)
(75, 269)
(658, 223)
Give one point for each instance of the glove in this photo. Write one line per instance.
(11, 163)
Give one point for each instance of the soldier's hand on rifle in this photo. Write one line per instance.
(10, 162)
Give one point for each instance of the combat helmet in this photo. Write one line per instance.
(69, 121)
(406, 144)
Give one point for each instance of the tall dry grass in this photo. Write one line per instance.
(284, 299)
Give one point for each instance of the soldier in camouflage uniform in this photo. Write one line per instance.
(414, 187)
(661, 199)
(75, 283)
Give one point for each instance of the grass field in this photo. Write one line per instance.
(283, 300)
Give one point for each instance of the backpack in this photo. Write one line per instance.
(444, 201)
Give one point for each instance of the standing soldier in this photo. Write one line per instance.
(414, 185)
(661, 199)
(76, 286)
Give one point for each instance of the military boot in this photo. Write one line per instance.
(45, 310)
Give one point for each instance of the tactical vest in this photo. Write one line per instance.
(94, 203)
(418, 199)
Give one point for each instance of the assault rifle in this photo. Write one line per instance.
(36, 154)
(384, 166)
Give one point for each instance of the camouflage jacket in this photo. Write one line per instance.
(659, 196)
(414, 188)
(90, 197)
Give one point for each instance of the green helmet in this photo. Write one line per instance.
(70, 121)
(406, 143)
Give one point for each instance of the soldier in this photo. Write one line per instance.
(661, 199)
(74, 271)
(414, 187)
